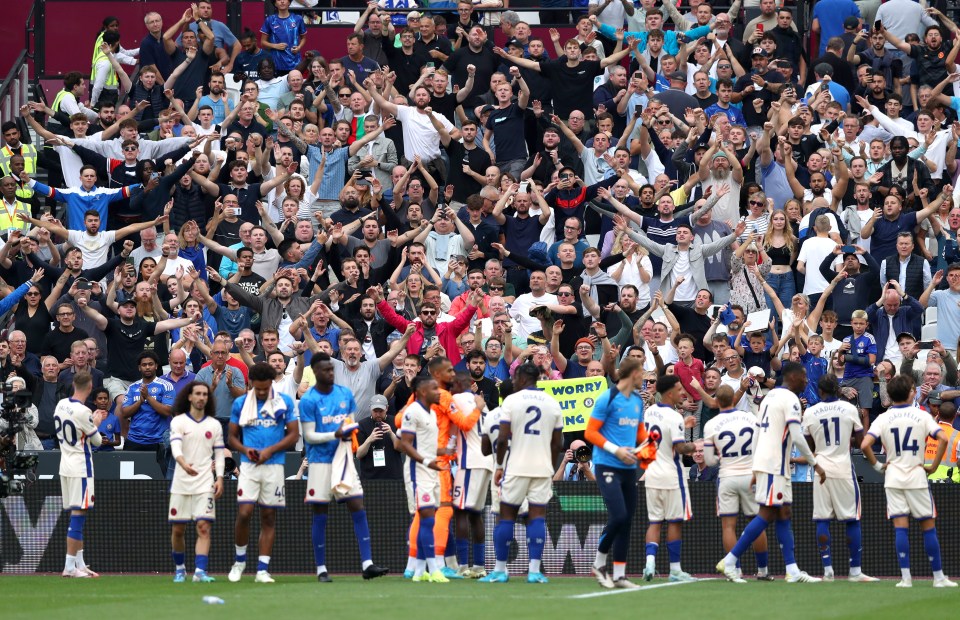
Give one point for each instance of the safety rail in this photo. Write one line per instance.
(13, 90)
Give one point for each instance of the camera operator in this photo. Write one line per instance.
(26, 437)
(377, 454)
(577, 464)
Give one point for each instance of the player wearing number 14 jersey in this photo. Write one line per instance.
(830, 426)
(532, 423)
(902, 430)
(779, 426)
(76, 429)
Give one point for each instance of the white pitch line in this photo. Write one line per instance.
(652, 587)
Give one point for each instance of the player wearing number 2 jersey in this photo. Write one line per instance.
(615, 428)
(196, 443)
(779, 426)
(729, 438)
(76, 429)
(668, 499)
(902, 431)
(533, 423)
(831, 427)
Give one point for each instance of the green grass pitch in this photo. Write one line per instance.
(115, 597)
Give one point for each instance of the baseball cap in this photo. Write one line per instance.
(934, 397)
(379, 401)
(759, 51)
(515, 43)
(680, 76)
(486, 108)
(851, 22)
(902, 335)
(127, 300)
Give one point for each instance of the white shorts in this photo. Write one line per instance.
(773, 490)
(495, 501)
(734, 497)
(319, 487)
(672, 505)
(916, 503)
(515, 489)
(470, 489)
(261, 484)
(186, 508)
(77, 492)
(836, 498)
(423, 489)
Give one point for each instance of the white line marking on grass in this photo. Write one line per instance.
(641, 588)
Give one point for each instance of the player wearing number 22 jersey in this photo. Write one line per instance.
(778, 428)
(829, 426)
(76, 429)
(902, 430)
(533, 423)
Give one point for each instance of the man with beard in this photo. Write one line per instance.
(818, 187)
(420, 138)
(881, 60)
(760, 83)
(359, 375)
(485, 386)
(275, 312)
(520, 310)
(720, 167)
(468, 161)
(371, 330)
(216, 98)
(628, 304)
(904, 172)
(147, 406)
(930, 58)
(542, 164)
(855, 216)
(716, 267)
(520, 231)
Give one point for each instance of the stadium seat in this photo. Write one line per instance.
(928, 332)
(930, 316)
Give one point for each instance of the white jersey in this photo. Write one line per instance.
(779, 409)
(732, 434)
(832, 424)
(491, 427)
(198, 442)
(74, 426)
(422, 424)
(533, 417)
(903, 431)
(666, 471)
(470, 442)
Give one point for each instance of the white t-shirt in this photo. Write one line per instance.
(520, 312)
(631, 275)
(93, 247)
(533, 417)
(812, 253)
(419, 136)
(780, 407)
(665, 471)
(831, 424)
(903, 431)
(687, 290)
(731, 433)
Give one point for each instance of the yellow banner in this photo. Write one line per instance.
(576, 398)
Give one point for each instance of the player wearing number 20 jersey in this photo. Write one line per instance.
(829, 426)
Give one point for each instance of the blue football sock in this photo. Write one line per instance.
(902, 544)
(785, 538)
(652, 548)
(319, 536)
(463, 551)
(502, 535)
(537, 537)
(855, 541)
(761, 559)
(931, 545)
(362, 531)
(479, 554)
(202, 562)
(263, 563)
(75, 530)
(823, 542)
(738, 562)
(673, 550)
(425, 538)
(750, 533)
(178, 558)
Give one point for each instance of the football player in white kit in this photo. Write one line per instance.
(665, 485)
(533, 424)
(76, 430)
(418, 439)
(831, 427)
(474, 470)
(902, 431)
(728, 439)
(778, 427)
(196, 443)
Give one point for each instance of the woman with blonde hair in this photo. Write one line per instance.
(781, 245)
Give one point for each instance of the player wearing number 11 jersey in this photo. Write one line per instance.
(902, 430)
(830, 426)
(76, 429)
(532, 423)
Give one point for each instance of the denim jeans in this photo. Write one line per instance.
(784, 285)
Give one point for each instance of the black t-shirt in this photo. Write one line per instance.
(521, 234)
(57, 343)
(486, 63)
(696, 325)
(196, 74)
(392, 465)
(35, 327)
(125, 343)
(445, 105)
(406, 67)
(248, 197)
(440, 44)
(490, 392)
(507, 125)
(572, 86)
(465, 185)
(749, 113)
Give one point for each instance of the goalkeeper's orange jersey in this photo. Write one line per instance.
(442, 411)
